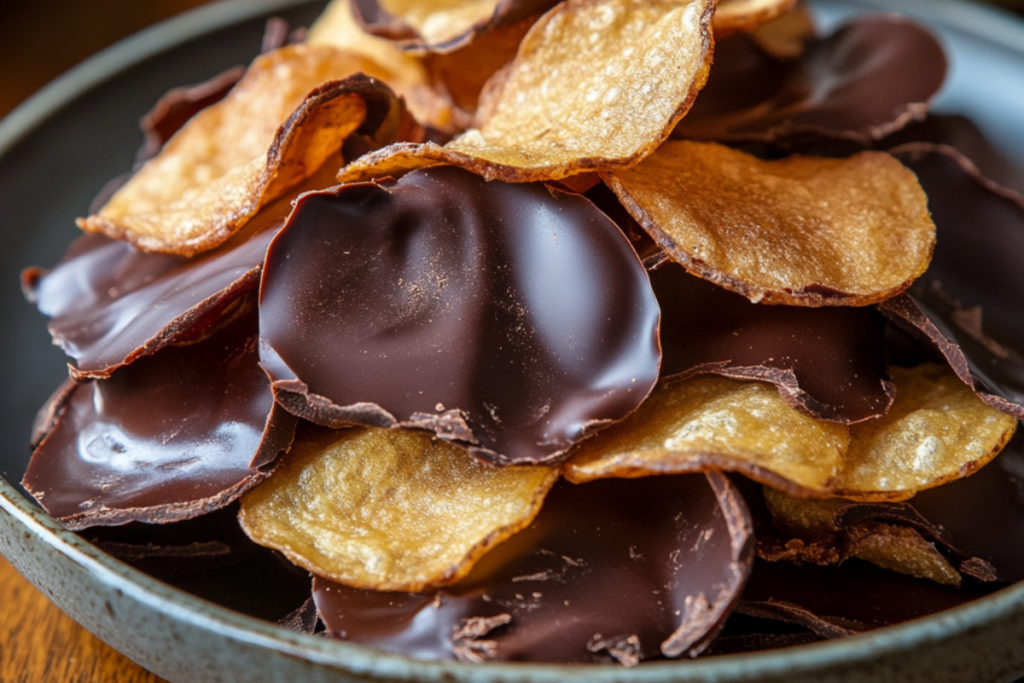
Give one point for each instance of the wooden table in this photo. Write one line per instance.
(39, 643)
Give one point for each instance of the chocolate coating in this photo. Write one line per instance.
(828, 362)
(969, 300)
(513, 318)
(645, 567)
(111, 303)
(856, 591)
(173, 436)
(867, 79)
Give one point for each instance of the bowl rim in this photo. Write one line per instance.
(993, 24)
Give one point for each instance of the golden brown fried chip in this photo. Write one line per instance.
(403, 73)
(743, 16)
(890, 546)
(803, 231)
(596, 84)
(936, 431)
(716, 423)
(389, 509)
(276, 128)
(439, 25)
(786, 37)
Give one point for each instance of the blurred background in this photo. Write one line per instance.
(44, 38)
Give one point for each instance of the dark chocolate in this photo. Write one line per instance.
(856, 591)
(963, 135)
(869, 78)
(968, 302)
(614, 569)
(828, 362)
(111, 303)
(515, 319)
(172, 436)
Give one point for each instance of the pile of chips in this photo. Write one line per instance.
(400, 293)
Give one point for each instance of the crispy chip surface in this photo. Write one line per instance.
(596, 84)
(276, 128)
(936, 431)
(716, 423)
(738, 16)
(403, 73)
(802, 231)
(389, 509)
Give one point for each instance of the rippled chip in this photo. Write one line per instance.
(740, 16)
(388, 509)
(937, 430)
(595, 85)
(802, 231)
(284, 120)
(405, 74)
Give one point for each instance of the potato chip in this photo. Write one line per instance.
(743, 16)
(937, 430)
(247, 150)
(404, 73)
(715, 423)
(596, 84)
(389, 509)
(786, 37)
(442, 26)
(803, 231)
(890, 546)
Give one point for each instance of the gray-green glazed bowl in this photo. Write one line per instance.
(58, 149)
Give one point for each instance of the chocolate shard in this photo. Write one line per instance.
(967, 303)
(827, 362)
(515, 319)
(612, 570)
(869, 78)
(173, 436)
(303, 620)
(825, 627)
(111, 304)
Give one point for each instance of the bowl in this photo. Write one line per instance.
(56, 152)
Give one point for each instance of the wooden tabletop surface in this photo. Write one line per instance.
(38, 642)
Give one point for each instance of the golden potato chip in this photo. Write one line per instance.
(433, 26)
(802, 231)
(786, 37)
(937, 430)
(278, 126)
(596, 84)
(403, 73)
(389, 509)
(890, 546)
(711, 423)
(743, 16)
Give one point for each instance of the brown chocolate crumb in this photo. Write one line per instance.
(626, 651)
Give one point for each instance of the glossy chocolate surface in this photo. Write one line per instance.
(172, 436)
(630, 569)
(111, 303)
(829, 362)
(513, 318)
(969, 300)
(867, 79)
